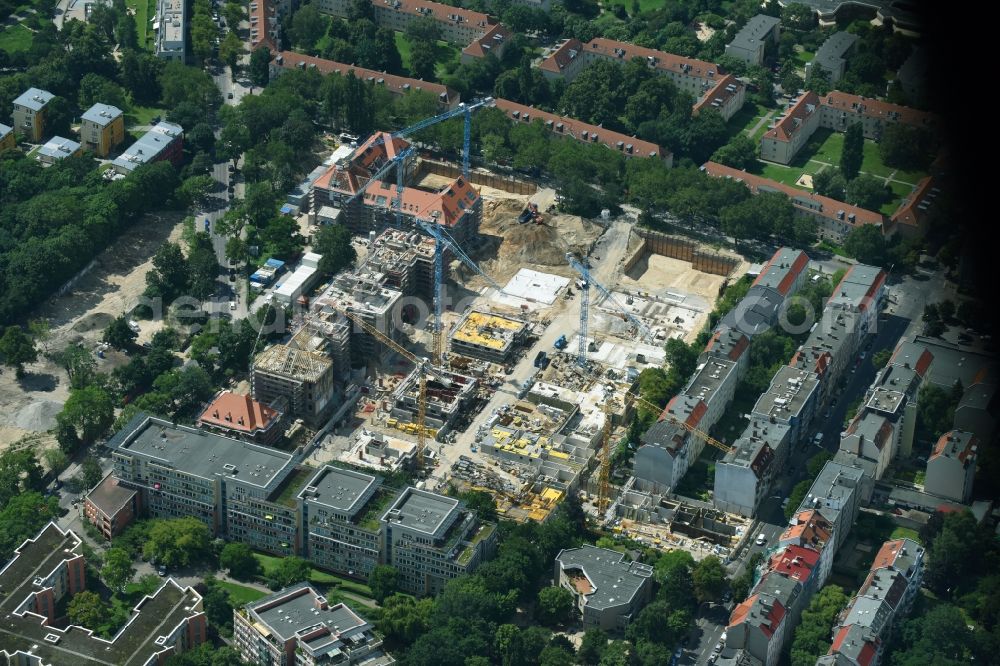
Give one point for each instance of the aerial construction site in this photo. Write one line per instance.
(488, 342)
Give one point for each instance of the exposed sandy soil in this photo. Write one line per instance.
(112, 287)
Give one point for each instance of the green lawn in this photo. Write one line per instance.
(269, 562)
(443, 51)
(143, 115)
(899, 192)
(144, 11)
(744, 119)
(644, 5)
(240, 595)
(15, 38)
(905, 533)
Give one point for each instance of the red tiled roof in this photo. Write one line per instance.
(579, 130)
(736, 352)
(561, 57)
(791, 272)
(923, 361)
(364, 161)
(774, 617)
(238, 412)
(718, 92)
(886, 556)
(435, 10)
(873, 108)
(795, 561)
(692, 420)
(741, 611)
(950, 442)
(804, 107)
(824, 206)
(446, 207)
(262, 13)
(909, 213)
(872, 289)
(865, 656)
(494, 41)
(810, 529)
(395, 84)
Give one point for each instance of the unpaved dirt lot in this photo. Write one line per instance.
(112, 287)
(659, 274)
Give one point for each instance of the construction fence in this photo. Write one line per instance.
(483, 178)
(676, 247)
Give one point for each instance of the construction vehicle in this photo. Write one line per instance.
(530, 214)
(561, 343)
(425, 369)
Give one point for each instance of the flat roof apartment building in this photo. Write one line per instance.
(7, 140)
(751, 41)
(110, 507)
(182, 471)
(702, 80)
(431, 539)
(297, 625)
(170, 37)
(49, 567)
(57, 149)
(102, 129)
(488, 336)
(28, 113)
(608, 590)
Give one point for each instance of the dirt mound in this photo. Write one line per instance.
(92, 321)
(38, 416)
(541, 244)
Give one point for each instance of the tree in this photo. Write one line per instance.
(239, 560)
(812, 635)
(617, 653)
(423, 61)
(290, 570)
(218, 606)
(739, 153)
(17, 348)
(40, 331)
(906, 147)
(333, 243)
(383, 581)
(659, 623)
(117, 570)
(56, 460)
(828, 182)
(881, 358)
(555, 605)
(709, 578)
(673, 571)
(592, 647)
(119, 334)
(852, 153)
(799, 492)
(404, 618)
(177, 542)
(935, 411)
(866, 244)
(194, 190)
(258, 70)
(169, 276)
(307, 26)
(86, 609)
(868, 192)
(946, 309)
(230, 51)
(92, 472)
(22, 516)
(89, 412)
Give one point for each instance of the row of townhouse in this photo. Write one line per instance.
(46, 571)
(864, 627)
(342, 520)
(704, 81)
(781, 417)
(667, 449)
(834, 219)
(836, 111)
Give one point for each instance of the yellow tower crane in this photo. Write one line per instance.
(704, 436)
(424, 368)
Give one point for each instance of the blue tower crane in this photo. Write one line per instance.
(588, 279)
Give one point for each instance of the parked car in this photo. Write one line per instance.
(761, 540)
(162, 570)
(232, 305)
